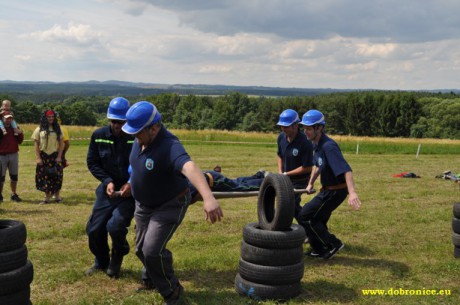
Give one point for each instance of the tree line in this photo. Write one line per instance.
(366, 113)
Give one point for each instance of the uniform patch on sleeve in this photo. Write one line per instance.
(149, 164)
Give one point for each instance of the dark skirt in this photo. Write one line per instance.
(45, 180)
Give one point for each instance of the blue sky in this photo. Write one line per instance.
(380, 44)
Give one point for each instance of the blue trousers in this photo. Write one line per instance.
(110, 216)
(155, 226)
(221, 183)
(240, 184)
(315, 215)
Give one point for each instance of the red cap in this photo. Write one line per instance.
(49, 112)
(7, 114)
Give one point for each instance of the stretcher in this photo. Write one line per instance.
(221, 195)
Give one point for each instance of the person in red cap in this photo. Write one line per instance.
(48, 146)
(9, 157)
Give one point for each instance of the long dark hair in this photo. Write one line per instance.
(44, 125)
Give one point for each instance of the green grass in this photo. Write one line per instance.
(364, 145)
(401, 237)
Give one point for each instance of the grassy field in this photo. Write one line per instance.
(400, 239)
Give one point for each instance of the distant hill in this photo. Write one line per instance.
(114, 87)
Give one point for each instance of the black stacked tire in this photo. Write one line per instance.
(253, 234)
(276, 203)
(264, 292)
(456, 210)
(271, 264)
(456, 229)
(16, 271)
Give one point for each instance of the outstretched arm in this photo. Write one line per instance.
(210, 204)
(353, 199)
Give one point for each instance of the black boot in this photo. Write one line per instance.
(115, 265)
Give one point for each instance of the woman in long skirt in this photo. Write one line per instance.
(48, 146)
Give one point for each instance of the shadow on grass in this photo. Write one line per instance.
(24, 212)
(74, 202)
(327, 292)
(66, 201)
(398, 269)
(134, 275)
(214, 286)
(357, 250)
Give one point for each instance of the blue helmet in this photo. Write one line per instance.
(117, 109)
(140, 115)
(288, 117)
(313, 117)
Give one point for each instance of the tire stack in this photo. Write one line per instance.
(271, 264)
(16, 271)
(456, 230)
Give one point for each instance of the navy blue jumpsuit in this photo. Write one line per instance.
(298, 152)
(108, 161)
(316, 213)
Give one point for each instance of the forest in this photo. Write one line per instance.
(408, 114)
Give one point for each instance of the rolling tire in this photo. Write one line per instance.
(254, 235)
(21, 297)
(266, 292)
(271, 257)
(276, 203)
(13, 259)
(17, 279)
(456, 210)
(456, 225)
(13, 235)
(456, 239)
(271, 275)
(456, 252)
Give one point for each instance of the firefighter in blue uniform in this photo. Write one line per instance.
(295, 154)
(108, 161)
(160, 169)
(337, 182)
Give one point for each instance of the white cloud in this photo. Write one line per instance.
(408, 67)
(377, 50)
(297, 49)
(23, 57)
(215, 69)
(80, 34)
(362, 66)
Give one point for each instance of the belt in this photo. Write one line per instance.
(210, 180)
(183, 193)
(334, 187)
